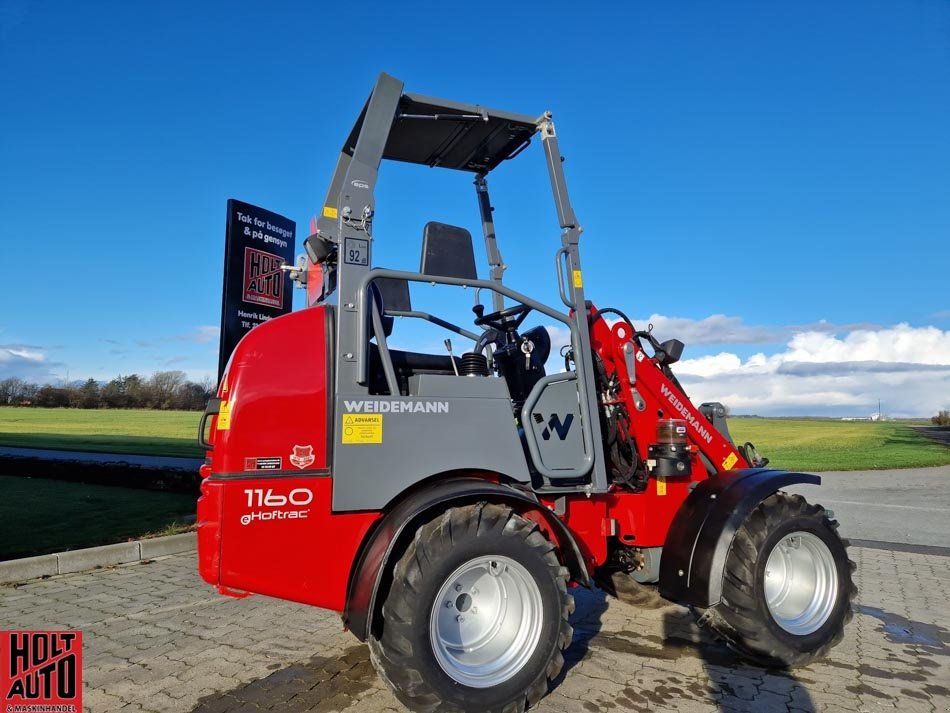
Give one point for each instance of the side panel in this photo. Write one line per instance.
(554, 420)
(281, 539)
(699, 539)
(398, 442)
(643, 519)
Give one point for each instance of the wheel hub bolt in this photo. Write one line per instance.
(460, 619)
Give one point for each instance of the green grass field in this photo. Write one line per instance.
(802, 444)
(794, 444)
(167, 433)
(62, 516)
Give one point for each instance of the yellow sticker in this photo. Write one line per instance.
(329, 212)
(224, 416)
(578, 279)
(361, 428)
(730, 461)
(661, 485)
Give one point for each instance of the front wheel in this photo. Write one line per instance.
(476, 617)
(787, 586)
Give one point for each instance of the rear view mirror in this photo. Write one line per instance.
(447, 252)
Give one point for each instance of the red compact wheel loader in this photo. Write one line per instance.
(446, 505)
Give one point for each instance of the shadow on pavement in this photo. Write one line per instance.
(590, 605)
(320, 685)
(729, 684)
(734, 685)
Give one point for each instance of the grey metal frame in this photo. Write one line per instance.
(348, 214)
(462, 332)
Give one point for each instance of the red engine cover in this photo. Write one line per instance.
(265, 523)
(274, 398)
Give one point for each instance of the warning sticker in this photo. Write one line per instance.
(362, 428)
(330, 212)
(661, 485)
(730, 461)
(578, 279)
(224, 416)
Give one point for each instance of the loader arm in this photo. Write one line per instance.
(646, 389)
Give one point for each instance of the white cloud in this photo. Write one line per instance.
(908, 368)
(824, 369)
(25, 361)
(205, 334)
(724, 329)
(715, 329)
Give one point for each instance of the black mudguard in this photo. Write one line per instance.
(371, 576)
(699, 539)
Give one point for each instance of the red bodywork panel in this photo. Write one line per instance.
(274, 393)
(264, 518)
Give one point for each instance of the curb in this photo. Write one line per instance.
(91, 557)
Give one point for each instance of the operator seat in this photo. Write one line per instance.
(405, 364)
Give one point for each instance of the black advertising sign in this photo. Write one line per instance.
(257, 243)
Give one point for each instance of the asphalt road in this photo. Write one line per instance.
(154, 462)
(907, 506)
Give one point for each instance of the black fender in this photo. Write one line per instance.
(371, 576)
(694, 555)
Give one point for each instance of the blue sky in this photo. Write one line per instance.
(767, 181)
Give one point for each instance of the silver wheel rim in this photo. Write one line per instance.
(801, 583)
(486, 621)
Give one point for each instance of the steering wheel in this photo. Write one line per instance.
(504, 319)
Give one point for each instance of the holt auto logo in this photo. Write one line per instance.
(41, 671)
(263, 278)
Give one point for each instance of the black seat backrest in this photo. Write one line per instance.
(447, 251)
(395, 294)
(377, 294)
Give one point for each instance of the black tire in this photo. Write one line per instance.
(403, 654)
(743, 618)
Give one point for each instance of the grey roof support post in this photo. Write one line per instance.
(328, 223)
(580, 333)
(496, 265)
(352, 207)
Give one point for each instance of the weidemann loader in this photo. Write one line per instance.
(446, 505)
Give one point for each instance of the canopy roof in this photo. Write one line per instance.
(465, 137)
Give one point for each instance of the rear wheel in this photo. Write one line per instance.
(476, 616)
(787, 586)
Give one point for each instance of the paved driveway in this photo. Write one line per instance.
(158, 639)
(907, 506)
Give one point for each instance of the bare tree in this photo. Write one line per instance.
(164, 387)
